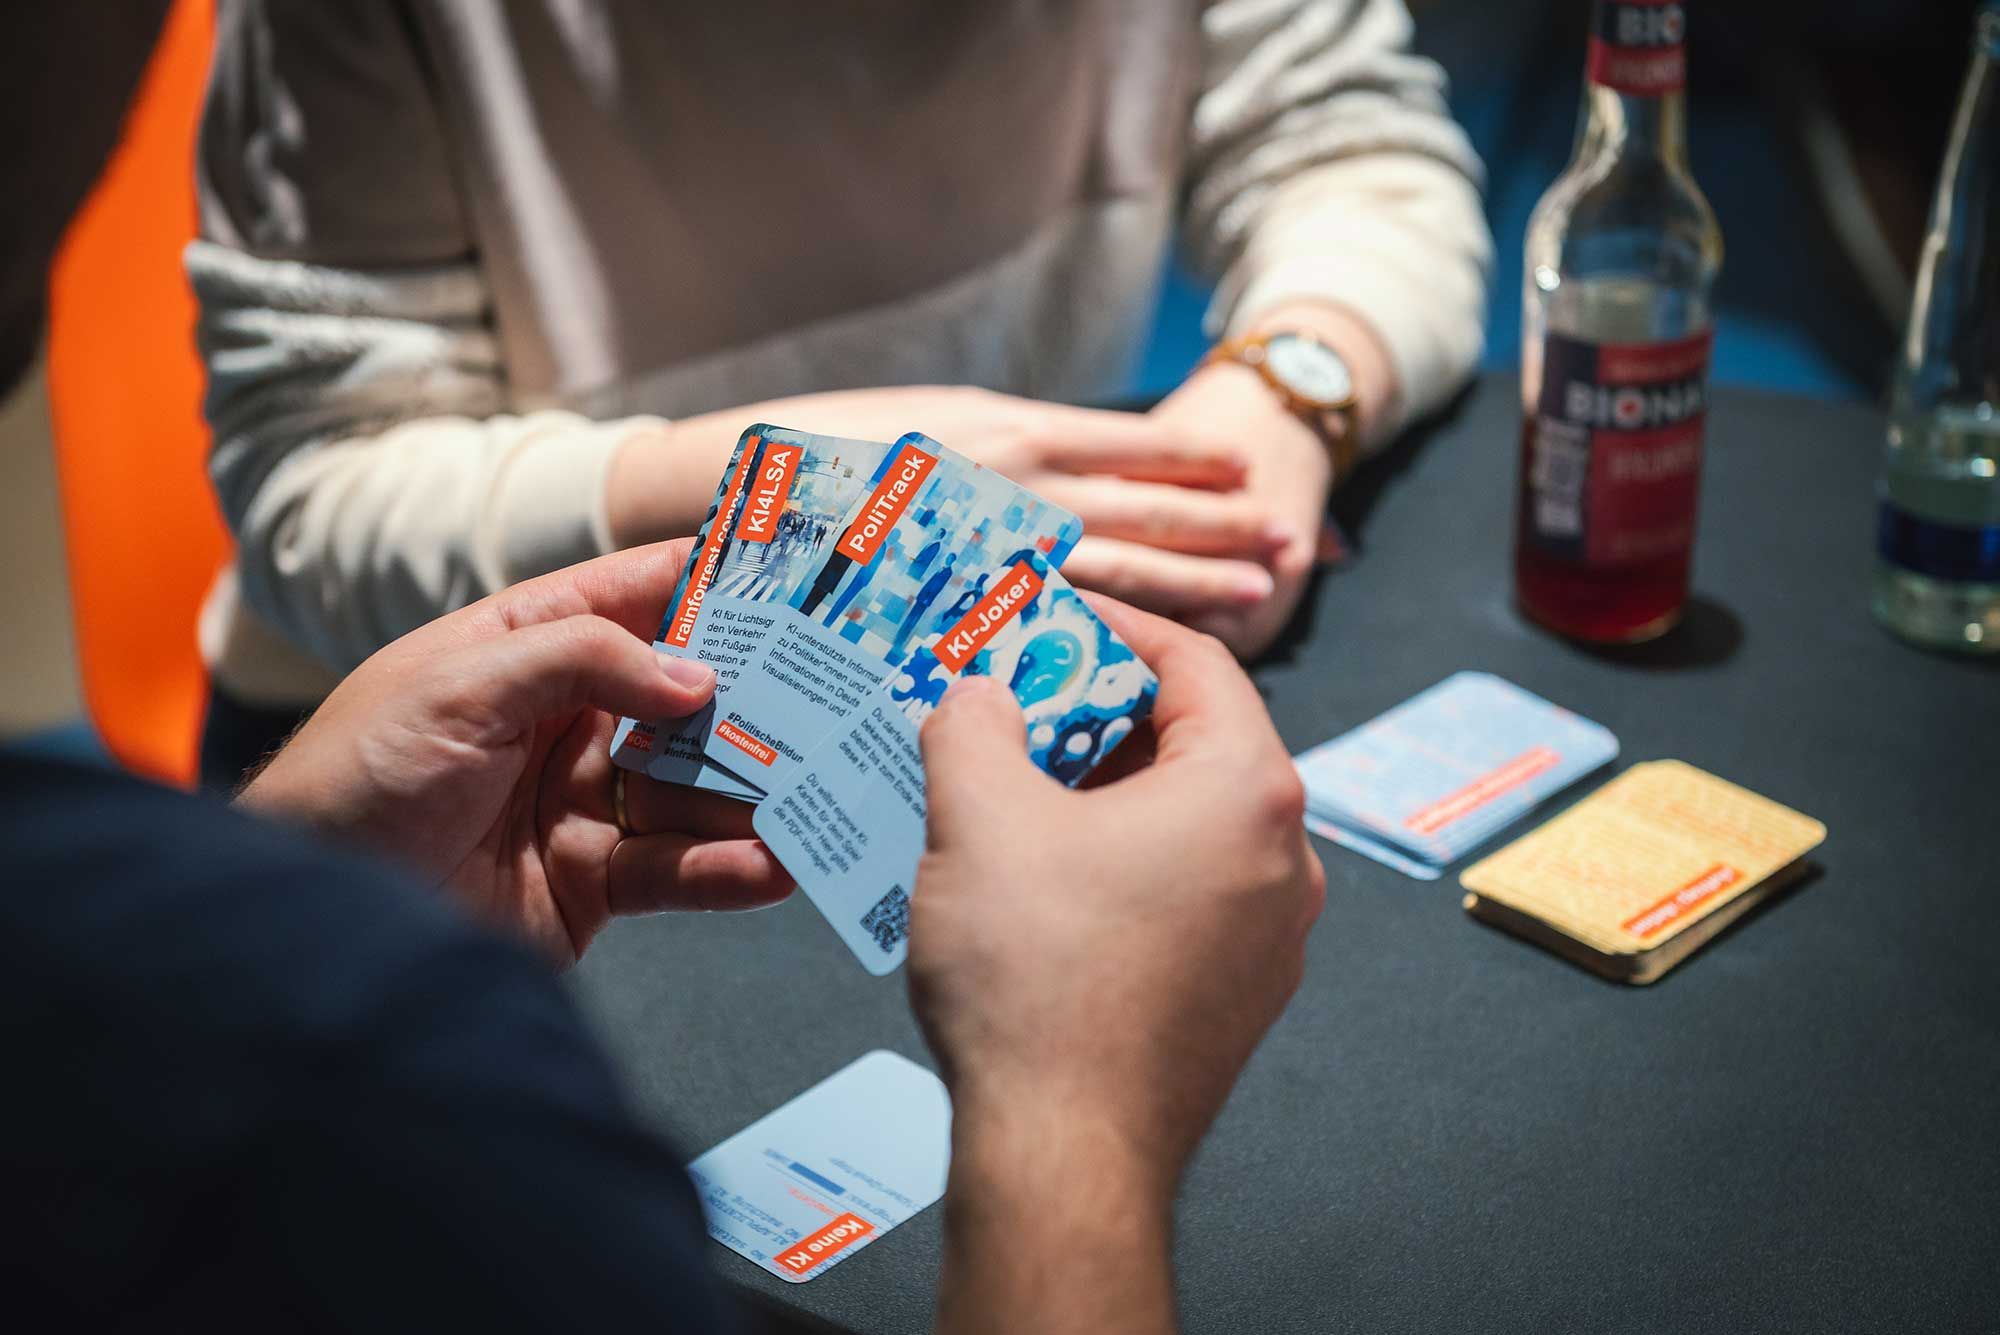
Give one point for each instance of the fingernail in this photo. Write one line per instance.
(1277, 534)
(687, 673)
(1254, 586)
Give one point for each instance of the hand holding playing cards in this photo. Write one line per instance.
(474, 750)
(1092, 970)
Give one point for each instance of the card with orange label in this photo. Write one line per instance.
(806, 1188)
(1633, 877)
(1422, 785)
(932, 540)
(774, 515)
(849, 825)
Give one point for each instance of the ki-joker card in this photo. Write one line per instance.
(930, 541)
(850, 824)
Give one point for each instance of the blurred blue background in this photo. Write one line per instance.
(1816, 131)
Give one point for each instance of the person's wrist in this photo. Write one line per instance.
(1053, 1224)
(1032, 1132)
(293, 791)
(1020, 1160)
(652, 489)
(1238, 394)
(1359, 346)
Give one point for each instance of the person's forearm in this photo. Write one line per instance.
(1054, 1229)
(662, 483)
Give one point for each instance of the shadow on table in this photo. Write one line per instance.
(1806, 875)
(1355, 500)
(759, 1315)
(1351, 507)
(1708, 634)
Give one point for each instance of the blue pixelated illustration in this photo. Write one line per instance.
(833, 476)
(967, 525)
(1082, 690)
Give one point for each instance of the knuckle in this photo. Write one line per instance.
(1315, 890)
(1208, 647)
(935, 731)
(584, 637)
(1280, 796)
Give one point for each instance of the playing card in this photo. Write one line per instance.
(1432, 778)
(849, 825)
(925, 544)
(1635, 876)
(805, 1188)
(773, 515)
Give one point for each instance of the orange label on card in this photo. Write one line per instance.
(764, 500)
(1684, 900)
(886, 504)
(745, 743)
(810, 1252)
(1431, 819)
(681, 628)
(976, 629)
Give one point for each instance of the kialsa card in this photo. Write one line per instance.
(807, 1187)
(1424, 783)
(933, 536)
(773, 515)
(849, 825)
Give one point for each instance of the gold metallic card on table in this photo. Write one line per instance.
(1637, 876)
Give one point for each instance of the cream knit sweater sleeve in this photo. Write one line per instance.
(1325, 165)
(369, 450)
(363, 455)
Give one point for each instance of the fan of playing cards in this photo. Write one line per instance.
(837, 588)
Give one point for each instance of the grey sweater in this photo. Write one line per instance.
(452, 246)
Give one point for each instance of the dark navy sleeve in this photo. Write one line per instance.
(256, 1079)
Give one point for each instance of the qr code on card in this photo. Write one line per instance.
(889, 921)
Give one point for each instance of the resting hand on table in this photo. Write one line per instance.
(1207, 509)
(1168, 522)
(474, 750)
(1290, 474)
(1092, 970)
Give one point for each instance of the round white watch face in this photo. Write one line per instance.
(1309, 369)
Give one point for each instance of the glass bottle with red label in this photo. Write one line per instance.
(1622, 255)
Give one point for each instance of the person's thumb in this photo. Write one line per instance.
(557, 667)
(975, 757)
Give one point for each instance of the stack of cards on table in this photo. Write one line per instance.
(1425, 783)
(1637, 876)
(837, 588)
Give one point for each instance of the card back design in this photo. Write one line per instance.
(1646, 857)
(849, 825)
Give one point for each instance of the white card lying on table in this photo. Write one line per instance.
(802, 1189)
(849, 826)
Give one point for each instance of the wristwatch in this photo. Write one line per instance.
(1309, 377)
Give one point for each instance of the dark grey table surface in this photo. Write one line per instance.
(1798, 1129)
